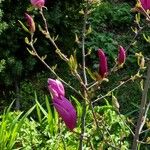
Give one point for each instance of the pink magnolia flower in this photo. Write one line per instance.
(66, 111)
(145, 4)
(30, 22)
(56, 88)
(103, 68)
(38, 3)
(121, 55)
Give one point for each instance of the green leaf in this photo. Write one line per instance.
(39, 113)
(40, 106)
(146, 38)
(78, 106)
(115, 102)
(31, 52)
(56, 120)
(50, 116)
(27, 40)
(92, 75)
(23, 26)
(72, 63)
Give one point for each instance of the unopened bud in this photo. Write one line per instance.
(103, 68)
(30, 22)
(121, 55)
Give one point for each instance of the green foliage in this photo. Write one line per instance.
(48, 130)
(19, 65)
(2, 65)
(18, 131)
(28, 87)
(112, 131)
(45, 132)
(3, 25)
(11, 51)
(10, 125)
(109, 24)
(28, 136)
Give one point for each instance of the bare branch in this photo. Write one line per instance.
(142, 110)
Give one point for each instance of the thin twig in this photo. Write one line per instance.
(142, 109)
(125, 123)
(145, 116)
(141, 142)
(94, 84)
(45, 22)
(122, 83)
(47, 31)
(147, 130)
(136, 35)
(83, 117)
(48, 36)
(101, 131)
(83, 48)
(62, 55)
(52, 71)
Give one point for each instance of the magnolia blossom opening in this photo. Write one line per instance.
(103, 68)
(63, 106)
(56, 87)
(30, 22)
(38, 3)
(121, 55)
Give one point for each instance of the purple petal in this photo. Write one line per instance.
(145, 4)
(66, 111)
(38, 3)
(56, 87)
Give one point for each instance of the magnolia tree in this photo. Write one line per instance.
(74, 118)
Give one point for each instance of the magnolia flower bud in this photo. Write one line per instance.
(38, 3)
(56, 88)
(103, 70)
(30, 23)
(66, 111)
(145, 4)
(63, 106)
(121, 55)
